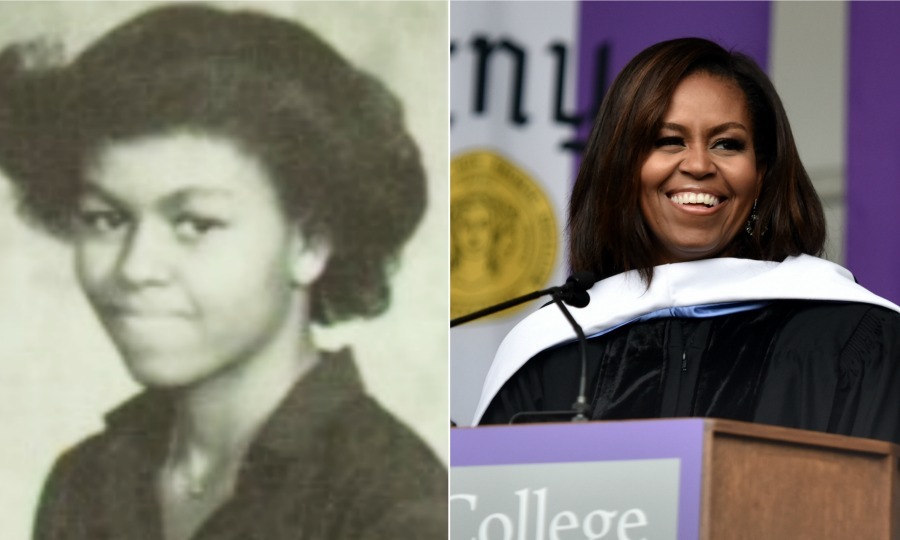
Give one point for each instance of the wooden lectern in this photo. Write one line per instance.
(771, 482)
(726, 480)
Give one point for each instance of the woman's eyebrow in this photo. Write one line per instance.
(672, 126)
(175, 199)
(90, 189)
(726, 126)
(178, 200)
(185, 195)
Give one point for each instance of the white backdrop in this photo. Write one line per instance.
(534, 25)
(58, 372)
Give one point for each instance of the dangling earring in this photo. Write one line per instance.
(751, 221)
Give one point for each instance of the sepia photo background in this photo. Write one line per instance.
(58, 371)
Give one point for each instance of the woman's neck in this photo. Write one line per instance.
(217, 418)
(222, 418)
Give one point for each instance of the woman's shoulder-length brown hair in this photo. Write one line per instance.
(606, 230)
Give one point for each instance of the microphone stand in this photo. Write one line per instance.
(501, 306)
(580, 408)
(575, 292)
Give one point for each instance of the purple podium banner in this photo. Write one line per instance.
(643, 453)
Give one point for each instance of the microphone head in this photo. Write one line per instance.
(575, 290)
(583, 280)
(577, 298)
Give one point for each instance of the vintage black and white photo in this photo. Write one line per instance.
(223, 235)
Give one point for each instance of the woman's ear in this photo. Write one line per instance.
(309, 258)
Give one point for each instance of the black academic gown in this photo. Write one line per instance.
(329, 464)
(822, 366)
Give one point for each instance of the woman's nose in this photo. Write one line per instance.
(143, 259)
(697, 163)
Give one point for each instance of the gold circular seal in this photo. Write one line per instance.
(503, 235)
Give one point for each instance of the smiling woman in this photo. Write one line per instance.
(694, 209)
(697, 114)
(226, 180)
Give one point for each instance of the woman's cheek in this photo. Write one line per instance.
(95, 264)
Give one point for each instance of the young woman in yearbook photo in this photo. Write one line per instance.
(227, 182)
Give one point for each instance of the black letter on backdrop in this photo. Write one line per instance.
(484, 49)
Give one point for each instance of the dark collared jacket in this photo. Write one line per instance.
(330, 463)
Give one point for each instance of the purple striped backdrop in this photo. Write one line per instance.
(873, 157)
(630, 27)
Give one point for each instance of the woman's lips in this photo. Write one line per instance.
(692, 197)
(697, 203)
(139, 327)
(146, 313)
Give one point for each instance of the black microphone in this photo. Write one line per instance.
(580, 408)
(578, 297)
(573, 292)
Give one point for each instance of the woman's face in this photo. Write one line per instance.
(186, 257)
(700, 180)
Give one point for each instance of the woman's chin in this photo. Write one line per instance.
(160, 379)
(163, 372)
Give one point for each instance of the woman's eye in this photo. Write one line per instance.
(729, 144)
(193, 227)
(102, 221)
(669, 141)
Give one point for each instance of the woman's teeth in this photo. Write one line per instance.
(695, 198)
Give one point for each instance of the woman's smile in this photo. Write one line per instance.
(147, 321)
(127, 308)
(697, 203)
